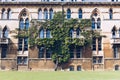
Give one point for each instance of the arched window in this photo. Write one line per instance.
(93, 23)
(5, 32)
(45, 14)
(114, 32)
(80, 14)
(68, 14)
(42, 33)
(98, 23)
(39, 14)
(21, 24)
(3, 15)
(48, 33)
(51, 14)
(111, 14)
(78, 33)
(71, 33)
(8, 13)
(27, 23)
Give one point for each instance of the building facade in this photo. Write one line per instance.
(15, 53)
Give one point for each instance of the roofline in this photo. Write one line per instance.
(61, 3)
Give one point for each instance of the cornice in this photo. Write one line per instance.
(63, 3)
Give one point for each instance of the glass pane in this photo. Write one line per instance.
(24, 60)
(71, 68)
(4, 51)
(51, 14)
(45, 14)
(48, 34)
(20, 40)
(41, 52)
(27, 24)
(68, 14)
(41, 33)
(80, 14)
(93, 24)
(25, 44)
(48, 54)
(21, 24)
(40, 14)
(78, 68)
(78, 53)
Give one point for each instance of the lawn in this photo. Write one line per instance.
(52, 75)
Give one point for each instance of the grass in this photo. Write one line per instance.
(47, 75)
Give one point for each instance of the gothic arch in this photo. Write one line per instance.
(24, 12)
(6, 27)
(95, 12)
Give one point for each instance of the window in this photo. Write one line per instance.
(20, 44)
(41, 33)
(98, 23)
(97, 59)
(99, 43)
(115, 51)
(71, 68)
(9, 13)
(51, 14)
(3, 15)
(21, 24)
(5, 32)
(78, 33)
(19, 60)
(114, 31)
(48, 34)
(94, 44)
(110, 14)
(27, 24)
(71, 51)
(78, 68)
(20, 41)
(4, 51)
(100, 59)
(39, 14)
(48, 54)
(93, 23)
(22, 60)
(45, 14)
(71, 33)
(41, 52)
(68, 14)
(116, 67)
(25, 44)
(78, 53)
(80, 14)
(94, 60)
